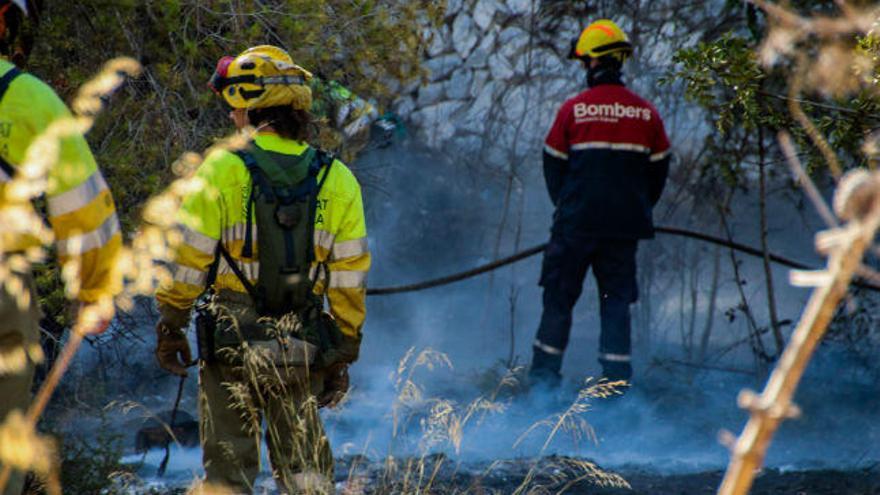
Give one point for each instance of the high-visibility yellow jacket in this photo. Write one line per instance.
(81, 209)
(217, 213)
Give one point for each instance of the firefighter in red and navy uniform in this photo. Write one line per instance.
(606, 159)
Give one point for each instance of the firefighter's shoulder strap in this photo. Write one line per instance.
(5, 81)
(219, 253)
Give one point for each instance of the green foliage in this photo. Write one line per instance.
(88, 464)
(371, 47)
(741, 97)
(723, 77)
(870, 46)
(817, 83)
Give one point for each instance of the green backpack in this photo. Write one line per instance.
(284, 199)
(283, 203)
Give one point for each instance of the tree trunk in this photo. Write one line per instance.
(768, 272)
(713, 297)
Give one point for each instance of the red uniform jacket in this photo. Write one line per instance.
(605, 162)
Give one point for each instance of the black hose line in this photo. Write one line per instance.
(457, 277)
(676, 231)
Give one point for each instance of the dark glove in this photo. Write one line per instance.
(172, 349)
(336, 384)
(343, 350)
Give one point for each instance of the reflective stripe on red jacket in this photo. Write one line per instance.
(605, 162)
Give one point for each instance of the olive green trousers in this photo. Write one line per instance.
(19, 350)
(236, 401)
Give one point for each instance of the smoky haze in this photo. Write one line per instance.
(433, 211)
(430, 215)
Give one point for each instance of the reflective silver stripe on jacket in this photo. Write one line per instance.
(656, 157)
(188, 275)
(77, 197)
(83, 243)
(251, 270)
(349, 249)
(197, 240)
(237, 232)
(589, 145)
(555, 152)
(324, 239)
(345, 279)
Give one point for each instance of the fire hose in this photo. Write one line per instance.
(528, 253)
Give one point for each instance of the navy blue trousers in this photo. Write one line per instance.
(566, 262)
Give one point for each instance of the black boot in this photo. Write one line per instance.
(545, 369)
(614, 371)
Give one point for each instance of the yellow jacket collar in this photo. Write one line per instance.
(271, 141)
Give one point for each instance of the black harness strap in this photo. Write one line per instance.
(5, 81)
(212, 270)
(248, 286)
(6, 167)
(322, 159)
(251, 164)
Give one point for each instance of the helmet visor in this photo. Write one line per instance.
(219, 80)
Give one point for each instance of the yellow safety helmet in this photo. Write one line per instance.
(599, 39)
(260, 77)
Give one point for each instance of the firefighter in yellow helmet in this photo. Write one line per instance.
(348, 117)
(81, 213)
(606, 159)
(276, 231)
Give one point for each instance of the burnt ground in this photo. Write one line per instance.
(769, 482)
(661, 437)
(508, 476)
(441, 475)
(559, 475)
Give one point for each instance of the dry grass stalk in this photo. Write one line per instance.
(857, 200)
(445, 424)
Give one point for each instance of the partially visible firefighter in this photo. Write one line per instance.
(80, 210)
(350, 123)
(606, 159)
(275, 233)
